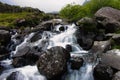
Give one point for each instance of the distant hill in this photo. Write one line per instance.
(16, 9)
(17, 17)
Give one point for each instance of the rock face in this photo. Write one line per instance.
(25, 56)
(116, 76)
(116, 38)
(4, 37)
(103, 72)
(112, 58)
(16, 76)
(53, 62)
(76, 63)
(47, 25)
(100, 46)
(86, 32)
(109, 18)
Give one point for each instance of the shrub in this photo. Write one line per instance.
(73, 12)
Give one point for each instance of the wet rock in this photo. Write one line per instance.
(5, 37)
(16, 76)
(108, 18)
(112, 58)
(103, 72)
(25, 56)
(116, 76)
(19, 62)
(69, 48)
(36, 37)
(53, 62)
(76, 63)
(47, 25)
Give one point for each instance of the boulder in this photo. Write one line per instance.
(48, 25)
(103, 72)
(87, 25)
(53, 62)
(116, 38)
(116, 76)
(85, 41)
(25, 56)
(100, 46)
(16, 76)
(5, 37)
(86, 32)
(76, 63)
(112, 58)
(36, 37)
(109, 18)
(68, 48)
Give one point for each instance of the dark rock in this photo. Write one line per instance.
(109, 18)
(19, 62)
(16, 76)
(112, 58)
(116, 76)
(36, 37)
(103, 72)
(5, 37)
(100, 36)
(87, 25)
(53, 62)
(116, 38)
(69, 48)
(62, 28)
(76, 63)
(3, 50)
(25, 56)
(4, 56)
(86, 32)
(47, 25)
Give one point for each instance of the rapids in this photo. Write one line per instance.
(54, 38)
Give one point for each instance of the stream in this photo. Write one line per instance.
(56, 37)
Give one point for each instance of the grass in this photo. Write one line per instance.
(6, 19)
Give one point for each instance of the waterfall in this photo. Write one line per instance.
(56, 38)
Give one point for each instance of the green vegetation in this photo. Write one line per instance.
(12, 19)
(15, 16)
(73, 12)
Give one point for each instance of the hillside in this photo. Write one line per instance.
(11, 16)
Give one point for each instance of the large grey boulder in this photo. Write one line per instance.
(53, 62)
(103, 72)
(100, 46)
(112, 58)
(116, 76)
(109, 18)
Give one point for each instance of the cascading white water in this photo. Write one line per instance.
(63, 38)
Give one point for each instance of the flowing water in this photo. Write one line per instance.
(55, 38)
